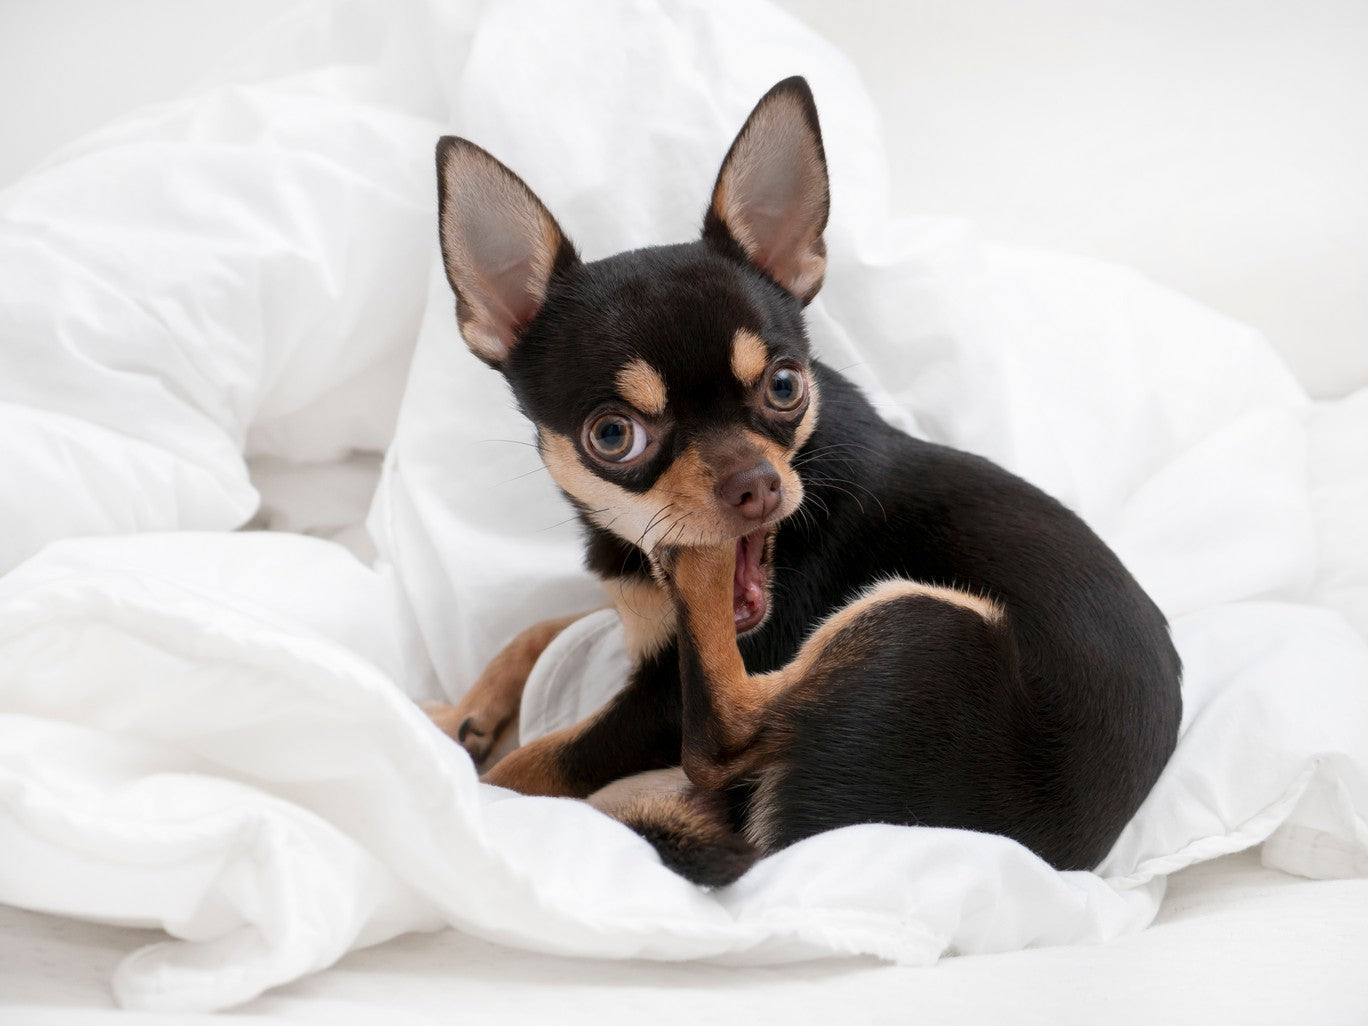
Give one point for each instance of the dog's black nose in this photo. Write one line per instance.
(754, 492)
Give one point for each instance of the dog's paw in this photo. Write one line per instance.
(482, 732)
(485, 721)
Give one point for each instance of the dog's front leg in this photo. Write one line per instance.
(723, 706)
(484, 721)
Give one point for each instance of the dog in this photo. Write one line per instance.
(829, 621)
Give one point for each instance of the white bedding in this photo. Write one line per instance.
(1233, 942)
(210, 732)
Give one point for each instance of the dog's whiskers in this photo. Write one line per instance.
(511, 441)
(519, 477)
(641, 539)
(576, 516)
(837, 482)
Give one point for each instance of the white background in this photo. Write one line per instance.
(1220, 146)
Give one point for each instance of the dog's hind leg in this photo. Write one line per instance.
(854, 729)
(690, 828)
(909, 705)
(734, 722)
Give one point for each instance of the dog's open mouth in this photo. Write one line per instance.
(750, 599)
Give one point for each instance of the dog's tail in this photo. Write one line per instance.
(692, 834)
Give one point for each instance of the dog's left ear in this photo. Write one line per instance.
(771, 198)
(500, 246)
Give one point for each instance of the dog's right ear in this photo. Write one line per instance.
(500, 246)
(771, 199)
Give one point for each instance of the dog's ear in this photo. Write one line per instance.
(500, 245)
(771, 200)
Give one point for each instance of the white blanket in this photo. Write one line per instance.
(211, 732)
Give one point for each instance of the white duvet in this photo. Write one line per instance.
(211, 731)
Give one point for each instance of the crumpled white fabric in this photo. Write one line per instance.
(210, 732)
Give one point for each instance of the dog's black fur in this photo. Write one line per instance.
(1048, 725)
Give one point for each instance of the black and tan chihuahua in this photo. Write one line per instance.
(830, 622)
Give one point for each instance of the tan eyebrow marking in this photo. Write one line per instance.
(642, 387)
(748, 357)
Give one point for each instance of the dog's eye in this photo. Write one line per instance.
(616, 438)
(785, 388)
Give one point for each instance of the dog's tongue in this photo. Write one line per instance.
(748, 586)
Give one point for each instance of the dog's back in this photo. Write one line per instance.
(1049, 726)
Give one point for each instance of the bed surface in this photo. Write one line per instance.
(1233, 942)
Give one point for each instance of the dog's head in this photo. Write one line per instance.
(670, 387)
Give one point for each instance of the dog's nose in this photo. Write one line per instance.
(754, 492)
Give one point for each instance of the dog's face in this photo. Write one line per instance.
(670, 387)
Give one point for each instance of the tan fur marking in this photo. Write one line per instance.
(534, 768)
(778, 457)
(749, 357)
(642, 387)
(613, 799)
(686, 814)
(669, 812)
(989, 610)
(687, 485)
(679, 508)
(563, 462)
(647, 614)
(762, 808)
(689, 476)
(886, 591)
(809, 421)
